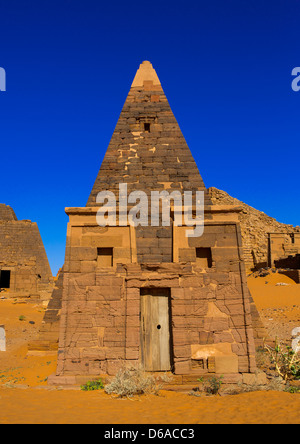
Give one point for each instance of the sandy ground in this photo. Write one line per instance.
(15, 366)
(75, 407)
(278, 305)
(26, 398)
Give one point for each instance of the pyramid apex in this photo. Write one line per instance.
(146, 72)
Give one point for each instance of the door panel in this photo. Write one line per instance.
(155, 328)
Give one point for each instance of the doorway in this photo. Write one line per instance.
(4, 278)
(155, 329)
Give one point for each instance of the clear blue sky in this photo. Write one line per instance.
(225, 67)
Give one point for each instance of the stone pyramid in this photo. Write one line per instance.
(150, 295)
(148, 150)
(24, 265)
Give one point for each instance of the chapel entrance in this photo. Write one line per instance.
(155, 329)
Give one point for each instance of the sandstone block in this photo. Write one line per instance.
(182, 367)
(255, 379)
(83, 254)
(226, 364)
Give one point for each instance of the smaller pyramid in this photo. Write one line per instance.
(23, 258)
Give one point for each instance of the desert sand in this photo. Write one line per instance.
(75, 407)
(278, 305)
(25, 396)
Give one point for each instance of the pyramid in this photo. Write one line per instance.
(150, 295)
(147, 150)
(24, 266)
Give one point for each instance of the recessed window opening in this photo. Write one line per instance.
(105, 257)
(203, 257)
(147, 127)
(5, 279)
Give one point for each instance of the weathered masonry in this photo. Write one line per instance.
(151, 295)
(24, 266)
(284, 253)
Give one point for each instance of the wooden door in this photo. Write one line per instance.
(155, 329)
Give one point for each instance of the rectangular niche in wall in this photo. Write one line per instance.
(105, 257)
(203, 257)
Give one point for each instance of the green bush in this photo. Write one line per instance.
(212, 385)
(293, 389)
(92, 385)
(286, 361)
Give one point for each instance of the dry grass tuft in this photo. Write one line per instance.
(131, 381)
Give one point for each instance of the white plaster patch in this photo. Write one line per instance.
(2, 339)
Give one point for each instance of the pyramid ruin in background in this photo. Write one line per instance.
(151, 295)
(257, 228)
(24, 266)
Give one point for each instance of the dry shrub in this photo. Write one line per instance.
(131, 381)
(286, 361)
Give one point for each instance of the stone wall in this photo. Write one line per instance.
(255, 226)
(49, 331)
(284, 250)
(211, 310)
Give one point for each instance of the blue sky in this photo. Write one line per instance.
(225, 67)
